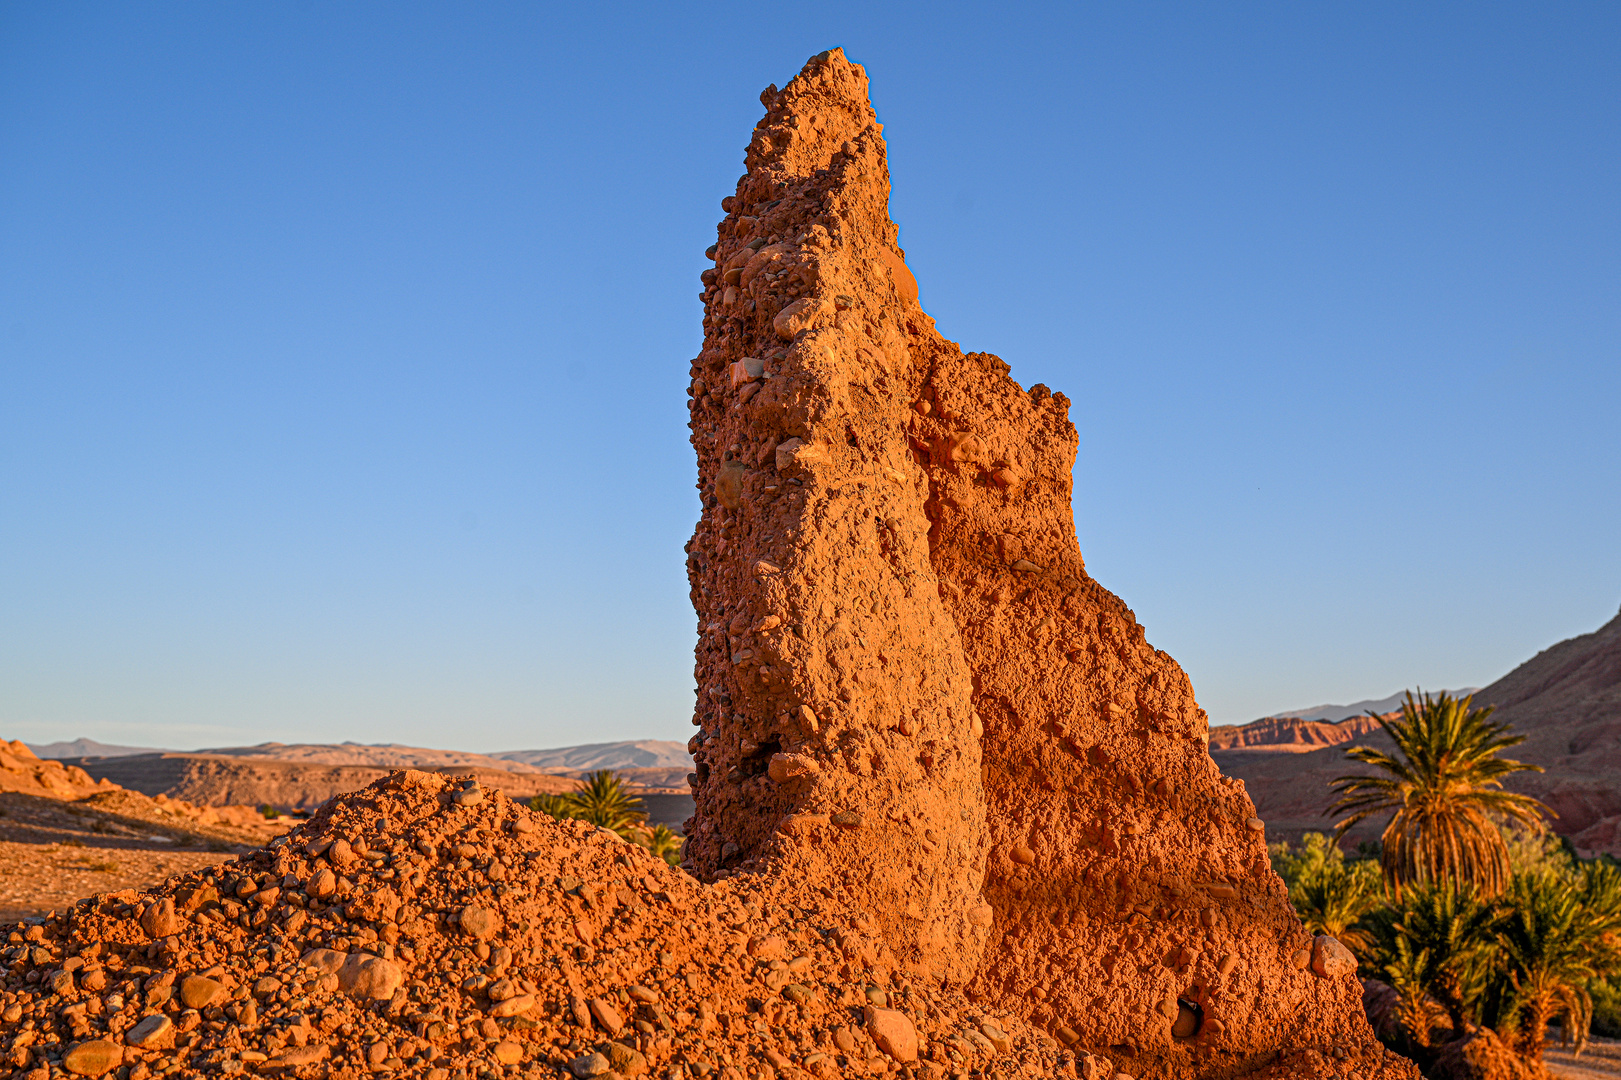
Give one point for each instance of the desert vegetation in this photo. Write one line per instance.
(1469, 918)
(604, 800)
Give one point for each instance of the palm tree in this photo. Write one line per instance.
(1436, 947)
(553, 805)
(604, 801)
(1334, 902)
(665, 843)
(1330, 895)
(1556, 937)
(1443, 787)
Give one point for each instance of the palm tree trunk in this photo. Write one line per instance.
(1536, 1032)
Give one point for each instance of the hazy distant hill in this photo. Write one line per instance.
(1335, 713)
(635, 754)
(78, 748)
(376, 755)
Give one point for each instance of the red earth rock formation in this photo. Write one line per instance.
(893, 599)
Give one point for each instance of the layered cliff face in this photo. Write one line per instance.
(908, 680)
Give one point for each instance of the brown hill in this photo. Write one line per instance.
(1566, 700)
(218, 780)
(377, 756)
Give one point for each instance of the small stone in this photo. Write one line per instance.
(802, 824)
(155, 1032)
(93, 1058)
(588, 1065)
(793, 771)
(513, 1006)
(746, 370)
(1067, 1036)
(471, 795)
(997, 1036)
(323, 884)
(1025, 566)
(266, 986)
(847, 819)
(607, 1015)
(1301, 959)
(478, 922)
(326, 961)
(876, 996)
(893, 1032)
(341, 854)
(624, 1060)
(1225, 965)
(159, 920)
(199, 993)
(1022, 855)
(767, 947)
(1255, 825)
(799, 316)
(508, 1052)
(1330, 959)
(369, 978)
(295, 1056)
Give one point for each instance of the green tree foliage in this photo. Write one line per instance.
(1332, 896)
(665, 843)
(1477, 916)
(1443, 790)
(603, 800)
(1557, 937)
(1435, 945)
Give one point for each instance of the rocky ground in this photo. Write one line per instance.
(64, 835)
(445, 931)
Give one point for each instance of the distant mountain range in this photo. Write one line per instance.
(631, 754)
(1333, 714)
(77, 748)
(636, 754)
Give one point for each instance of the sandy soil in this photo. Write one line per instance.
(1600, 1058)
(56, 851)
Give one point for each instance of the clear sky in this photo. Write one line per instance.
(342, 347)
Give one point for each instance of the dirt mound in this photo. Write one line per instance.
(954, 815)
(894, 606)
(446, 931)
(208, 779)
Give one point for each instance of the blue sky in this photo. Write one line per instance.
(342, 347)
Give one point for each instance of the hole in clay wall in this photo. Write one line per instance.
(1189, 1017)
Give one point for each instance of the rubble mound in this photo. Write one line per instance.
(439, 929)
(955, 817)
